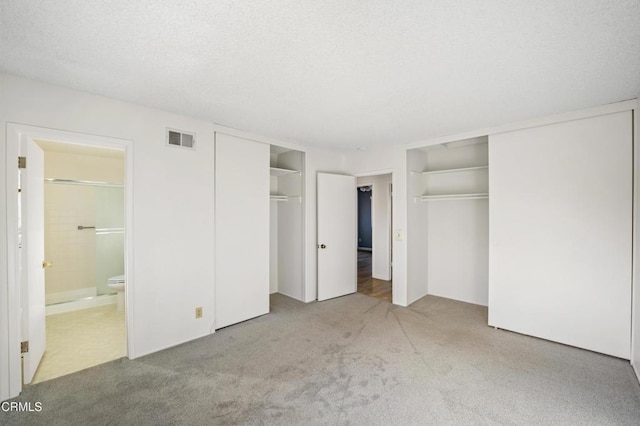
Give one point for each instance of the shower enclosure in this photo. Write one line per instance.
(109, 236)
(84, 241)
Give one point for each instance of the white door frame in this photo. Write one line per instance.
(390, 224)
(10, 372)
(389, 211)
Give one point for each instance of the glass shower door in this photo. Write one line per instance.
(109, 236)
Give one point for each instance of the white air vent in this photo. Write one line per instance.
(180, 138)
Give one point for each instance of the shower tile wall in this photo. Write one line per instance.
(71, 251)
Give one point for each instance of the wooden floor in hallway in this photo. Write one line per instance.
(366, 283)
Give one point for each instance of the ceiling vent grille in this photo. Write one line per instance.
(181, 139)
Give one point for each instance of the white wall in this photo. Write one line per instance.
(173, 200)
(316, 161)
(458, 250)
(382, 160)
(417, 232)
(97, 168)
(168, 279)
(173, 206)
(173, 230)
(380, 224)
(635, 315)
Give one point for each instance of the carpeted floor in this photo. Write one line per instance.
(351, 360)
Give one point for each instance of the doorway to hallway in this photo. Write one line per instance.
(366, 283)
(374, 194)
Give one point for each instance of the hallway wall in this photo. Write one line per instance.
(364, 219)
(380, 224)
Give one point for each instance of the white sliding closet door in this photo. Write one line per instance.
(560, 232)
(242, 229)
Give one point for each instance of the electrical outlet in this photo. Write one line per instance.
(199, 312)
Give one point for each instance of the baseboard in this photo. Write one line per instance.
(70, 295)
(288, 295)
(77, 305)
(381, 278)
(473, 302)
(415, 298)
(635, 369)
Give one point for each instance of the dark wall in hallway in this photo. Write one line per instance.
(364, 218)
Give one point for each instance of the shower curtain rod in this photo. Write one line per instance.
(83, 182)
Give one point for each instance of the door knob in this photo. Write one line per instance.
(46, 264)
(322, 246)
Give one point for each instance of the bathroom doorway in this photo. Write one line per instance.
(25, 304)
(84, 229)
(71, 217)
(374, 236)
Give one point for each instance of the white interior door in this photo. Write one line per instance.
(337, 235)
(32, 258)
(242, 229)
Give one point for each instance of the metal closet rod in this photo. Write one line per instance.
(83, 182)
(102, 231)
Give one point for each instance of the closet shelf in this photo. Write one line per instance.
(280, 197)
(463, 169)
(275, 171)
(443, 197)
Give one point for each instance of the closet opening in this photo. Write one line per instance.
(448, 214)
(286, 248)
(374, 198)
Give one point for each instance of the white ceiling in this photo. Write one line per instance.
(334, 73)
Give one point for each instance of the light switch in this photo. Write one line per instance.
(397, 234)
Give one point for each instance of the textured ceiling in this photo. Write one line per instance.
(334, 73)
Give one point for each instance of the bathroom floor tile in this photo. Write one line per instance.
(82, 339)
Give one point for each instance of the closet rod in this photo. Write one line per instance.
(83, 182)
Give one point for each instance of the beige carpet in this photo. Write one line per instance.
(351, 360)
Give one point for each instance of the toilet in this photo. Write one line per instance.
(117, 283)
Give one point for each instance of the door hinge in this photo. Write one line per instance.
(22, 162)
(24, 347)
